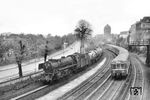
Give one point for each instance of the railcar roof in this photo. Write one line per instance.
(118, 61)
(123, 54)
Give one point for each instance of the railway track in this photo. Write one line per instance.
(137, 82)
(98, 79)
(100, 86)
(110, 91)
(106, 89)
(21, 97)
(121, 90)
(26, 95)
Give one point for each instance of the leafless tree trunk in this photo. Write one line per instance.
(19, 57)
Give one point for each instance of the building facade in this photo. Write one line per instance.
(139, 29)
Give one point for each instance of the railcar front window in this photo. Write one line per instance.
(122, 66)
(113, 66)
(125, 66)
(118, 65)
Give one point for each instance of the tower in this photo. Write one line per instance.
(107, 30)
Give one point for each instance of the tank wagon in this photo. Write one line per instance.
(120, 64)
(54, 69)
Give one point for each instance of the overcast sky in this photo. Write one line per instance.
(60, 17)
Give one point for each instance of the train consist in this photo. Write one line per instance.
(54, 69)
(120, 64)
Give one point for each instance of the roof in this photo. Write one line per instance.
(123, 54)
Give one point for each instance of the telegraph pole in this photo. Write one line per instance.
(128, 41)
(46, 51)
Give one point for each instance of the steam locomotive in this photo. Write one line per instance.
(54, 69)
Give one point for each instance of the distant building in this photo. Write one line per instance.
(139, 29)
(107, 30)
(107, 34)
(124, 34)
(145, 26)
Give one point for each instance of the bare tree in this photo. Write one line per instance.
(1, 50)
(82, 31)
(19, 55)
